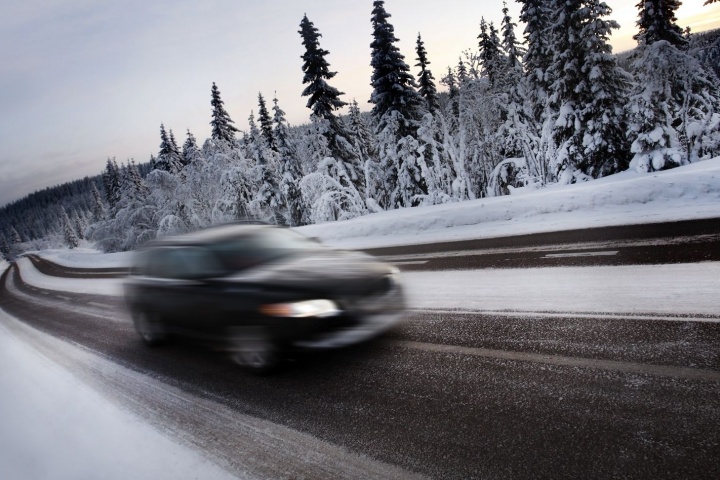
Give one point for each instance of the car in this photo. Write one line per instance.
(260, 291)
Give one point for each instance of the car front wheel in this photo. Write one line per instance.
(254, 350)
(150, 329)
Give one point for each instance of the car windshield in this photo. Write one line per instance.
(260, 247)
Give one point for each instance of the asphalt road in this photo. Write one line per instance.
(444, 395)
(661, 243)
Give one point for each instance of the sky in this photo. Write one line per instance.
(82, 81)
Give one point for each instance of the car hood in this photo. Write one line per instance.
(327, 270)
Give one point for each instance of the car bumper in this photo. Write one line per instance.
(375, 316)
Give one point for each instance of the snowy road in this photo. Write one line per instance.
(446, 395)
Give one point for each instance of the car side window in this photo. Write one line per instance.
(183, 263)
(196, 262)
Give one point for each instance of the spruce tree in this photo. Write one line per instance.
(190, 151)
(112, 182)
(324, 99)
(535, 14)
(291, 171)
(98, 208)
(266, 126)
(222, 125)
(657, 22)
(426, 81)
(71, 239)
(4, 248)
(491, 56)
(15, 238)
(514, 51)
(588, 93)
(393, 85)
(168, 159)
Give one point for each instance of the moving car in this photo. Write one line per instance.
(258, 291)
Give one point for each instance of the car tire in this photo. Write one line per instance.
(150, 329)
(254, 350)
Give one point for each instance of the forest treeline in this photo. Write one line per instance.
(550, 104)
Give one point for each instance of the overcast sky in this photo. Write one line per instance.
(82, 80)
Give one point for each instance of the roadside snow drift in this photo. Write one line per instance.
(628, 198)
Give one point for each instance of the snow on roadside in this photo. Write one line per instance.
(679, 289)
(87, 258)
(96, 286)
(684, 193)
(676, 289)
(78, 434)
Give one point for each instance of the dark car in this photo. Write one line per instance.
(259, 291)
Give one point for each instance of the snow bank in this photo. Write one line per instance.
(683, 193)
(78, 434)
(87, 258)
(96, 286)
(678, 289)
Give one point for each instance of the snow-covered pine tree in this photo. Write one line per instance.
(657, 21)
(4, 248)
(397, 110)
(588, 93)
(168, 159)
(514, 51)
(267, 198)
(535, 14)
(222, 125)
(79, 224)
(266, 126)
(15, 238)
(69, 234)
(291, 173)
(98, 207)
(323, 99)
(492, 59)
(674, 109)
(450, 81)
(519, 130)
(393, 85)
(111, 182)
(190, 151)
(426, 81)
(173, 143)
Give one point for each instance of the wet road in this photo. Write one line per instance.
(444, 395)
(662, 243)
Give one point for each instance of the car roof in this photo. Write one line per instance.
(209, 235)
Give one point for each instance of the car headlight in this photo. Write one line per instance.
(308, 308)
(394, 276)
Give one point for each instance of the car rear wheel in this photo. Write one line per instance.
(253, 349)
(150, 329)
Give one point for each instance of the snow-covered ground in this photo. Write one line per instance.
(97, 286)
(87, 257)
(54, 426)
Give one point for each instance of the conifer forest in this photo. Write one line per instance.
(541, 99)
